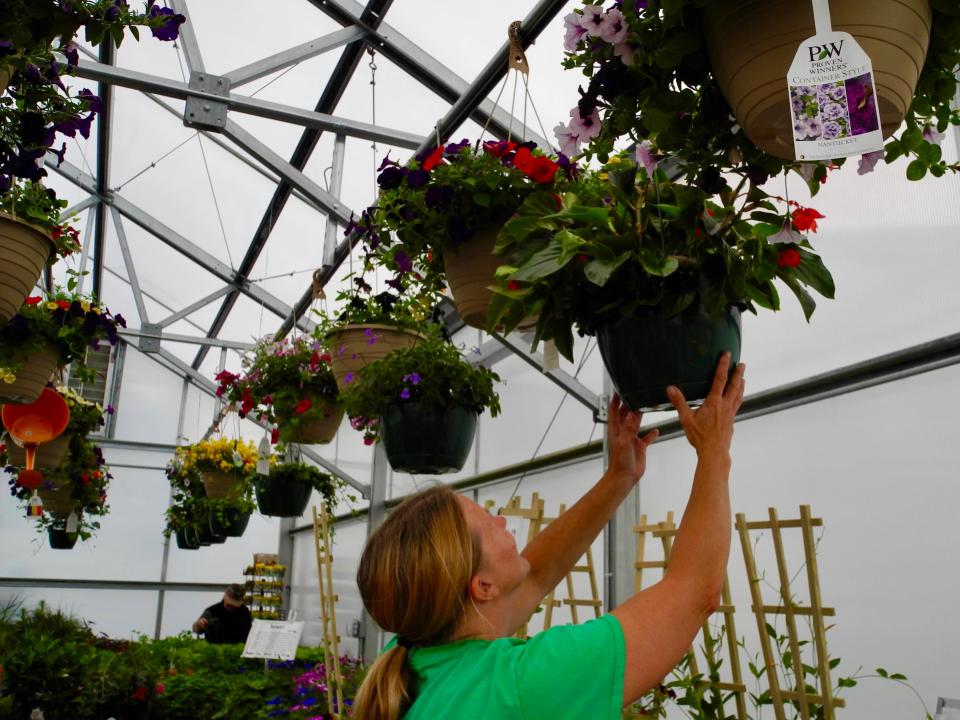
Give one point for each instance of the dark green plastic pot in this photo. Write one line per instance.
(234, 523)
(427, 441)
(206, 536)
(61, 539)
(278, 496)
(187, 539)
(646, 353)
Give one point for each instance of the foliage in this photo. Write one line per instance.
(58, 663)
(432, 372)
(622, 242)
(63, 320)
(33, 203)
(441, 197)
(225, 454)
(298, 472)
(287, 382)
(37, 48)
(648, 71)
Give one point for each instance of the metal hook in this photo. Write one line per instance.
(518, 59)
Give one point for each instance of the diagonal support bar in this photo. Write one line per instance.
(129, 265)
(193, 307)
(294, 55)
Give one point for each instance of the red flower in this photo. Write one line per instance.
(558, 200)
(302, 406)
(789, 257)
(582, 258)
(499, 148)
(85, 478)
(274, 436)
(433, 159)
(63, 304)
(326, 357)
(542, 170)
(159, 689)
(513, 285)
(33, 300)
(139, 694)
(806, 219)
(523, 160)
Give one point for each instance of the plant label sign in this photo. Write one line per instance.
(273, 640)
(833, 100)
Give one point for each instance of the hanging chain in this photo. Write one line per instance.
(373, 110)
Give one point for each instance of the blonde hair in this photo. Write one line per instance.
(414, 577)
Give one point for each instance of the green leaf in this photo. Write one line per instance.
(813, 273)
(882, 673)
(846, 682)
(806, 300)
(911, 138)
(898, 676)
(598, 271)
(570, 243)
(482, 199)
(658, 265)
(916, 170)
(542, 263)
(582, 214)
(834, 662)
(671, 211)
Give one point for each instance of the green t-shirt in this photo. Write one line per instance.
(568, 671)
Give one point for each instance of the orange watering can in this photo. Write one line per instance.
(30, 424)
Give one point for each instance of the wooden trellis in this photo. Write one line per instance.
(536, 519)
(803, 700)
(328, 613)
(665, 531)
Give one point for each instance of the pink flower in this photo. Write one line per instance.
(786, 235)
(592, 20)
(646, 157)
(574, 32)
(868, 161)
(568, 140)
(613, 28)
(626, 52)
(585, 128)
(930, 134)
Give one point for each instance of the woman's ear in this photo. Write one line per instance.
(482, 589)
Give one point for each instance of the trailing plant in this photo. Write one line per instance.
(68, 322)
(287, 382)
(432, 373)
(298, 472)
(650, 81)
(40, 206)
(626, 240)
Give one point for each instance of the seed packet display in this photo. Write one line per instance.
(833, 99)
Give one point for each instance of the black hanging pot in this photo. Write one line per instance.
(647, 352)
(233, 523)
(206, 536)
(188, 539)
(278, 496)
(60, 539)
(427, 440)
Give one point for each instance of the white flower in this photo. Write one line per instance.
(787, 234)
(574, 32)
(868, 161)
(592, 20)
(613, 28)
(585, 128)
(930, 134)
(646, 157)
(626, 52)
(568, 140)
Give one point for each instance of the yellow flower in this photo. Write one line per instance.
(615, 160)
(85, 305)
(52, 306)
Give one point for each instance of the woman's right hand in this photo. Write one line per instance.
(709, 428)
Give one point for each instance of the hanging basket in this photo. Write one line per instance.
(470, 271)
(427, 441)
(646, 353)
(319, 431)
(188, 539)
(278, 496)
(49, 454)
(233, 524)
(38, 369)
(752, 44)
(58, 501)
(205, 536)
(355, 346)
(24, 251)
(61, 539)
(221, 484)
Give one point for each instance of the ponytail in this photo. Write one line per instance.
(387, 690)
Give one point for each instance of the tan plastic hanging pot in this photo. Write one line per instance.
(753, 42)
(24, 251)
(470, 272)
(221, 484)
(319, 431)
(353, 347)
(38, 369)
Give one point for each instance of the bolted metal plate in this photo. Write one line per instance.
(150, 337)
(207, 113)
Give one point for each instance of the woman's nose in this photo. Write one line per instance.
(501, 521)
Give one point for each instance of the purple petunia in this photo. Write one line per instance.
(169, 29)
(405, 394)
(403, 261)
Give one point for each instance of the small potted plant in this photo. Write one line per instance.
(32, 235)
(423, 403)
(447, 205)
(225, 467)
(290, 383)
(659, 75)
(188, 516)
(286, 491)
(659, 271)
(86, 417)
(49, 331)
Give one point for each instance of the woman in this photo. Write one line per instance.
(446, 577)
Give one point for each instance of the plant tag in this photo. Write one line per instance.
(35, 506)
(263, 456)
(72, 523)
(551, 356)
(833, 98)
(237, 459)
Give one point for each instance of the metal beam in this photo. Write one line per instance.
(327, 103)
(78, 584)
(292, 56)
(429, 71)
(193, 307)
(129, 265)
(103, 166)
(188, 39)
(150, 297)
(187, 339)
(328, 203)
(80, 206)
(336, 185)
(109, 75)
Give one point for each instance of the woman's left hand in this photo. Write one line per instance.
(627, 453)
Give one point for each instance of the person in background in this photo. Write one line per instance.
(447, 578)
(228, 621)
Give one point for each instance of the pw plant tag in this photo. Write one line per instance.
(833, 100)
